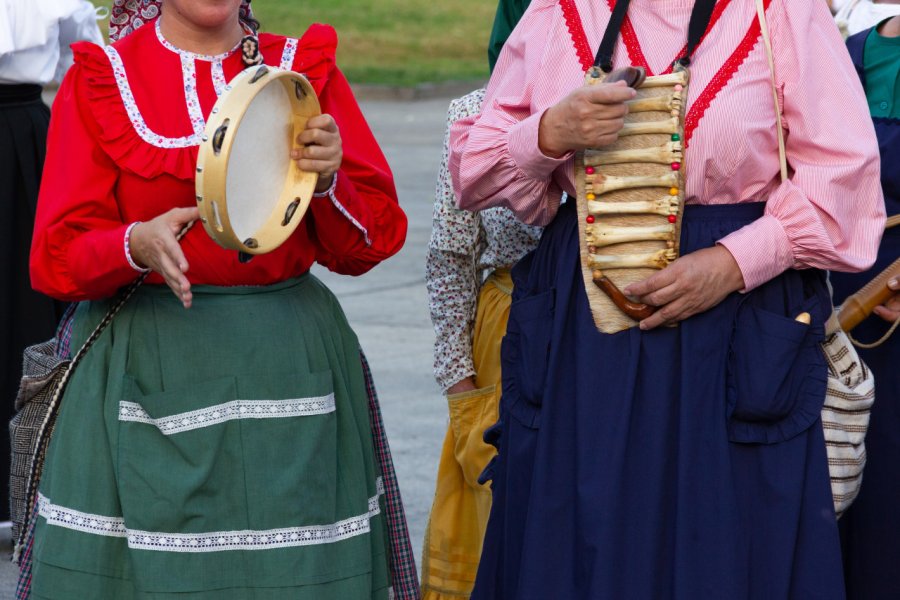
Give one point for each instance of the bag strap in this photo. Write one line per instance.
(43, 437)
(767, 40)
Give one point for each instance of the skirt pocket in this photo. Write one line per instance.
(525, 355)
(471, 414)
(246, 454)
(776, 376)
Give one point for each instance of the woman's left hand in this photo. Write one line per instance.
(890, 310)
(692, 284)
(322, 150)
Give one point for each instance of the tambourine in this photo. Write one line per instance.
(250, 193)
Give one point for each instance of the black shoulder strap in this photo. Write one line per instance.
(700, 18)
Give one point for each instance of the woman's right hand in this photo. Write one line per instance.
(589, 117)
(464, 385)
(154, 245)
(890, 310)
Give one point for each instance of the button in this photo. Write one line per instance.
(883, 106)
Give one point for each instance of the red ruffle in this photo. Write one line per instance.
(101, 102)
(315, 56)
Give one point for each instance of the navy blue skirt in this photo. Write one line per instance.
(683, 462)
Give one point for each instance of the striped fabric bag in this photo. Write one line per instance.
(845, 416)
(851, 385)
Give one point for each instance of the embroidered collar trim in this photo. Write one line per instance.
(192, 55)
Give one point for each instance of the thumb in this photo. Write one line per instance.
(186, 214)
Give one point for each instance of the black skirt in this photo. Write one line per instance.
(28, 317)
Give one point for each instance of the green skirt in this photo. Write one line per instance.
(221, 452)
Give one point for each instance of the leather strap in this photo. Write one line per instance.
(46, 428)
(764, 28)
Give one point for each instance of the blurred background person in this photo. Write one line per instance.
(34, 50)
(854, 16)
(467, 273)
(870, 529)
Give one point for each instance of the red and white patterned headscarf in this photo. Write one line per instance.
(128, 15)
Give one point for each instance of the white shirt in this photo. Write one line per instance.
(857, 15)
(35, 37)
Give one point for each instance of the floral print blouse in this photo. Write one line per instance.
(465, 247)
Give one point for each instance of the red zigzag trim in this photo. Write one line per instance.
(721, 78)
(576, 31)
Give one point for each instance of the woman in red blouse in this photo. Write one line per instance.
(223, 451)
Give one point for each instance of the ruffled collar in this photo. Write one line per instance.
(191, 55)
(106, 99)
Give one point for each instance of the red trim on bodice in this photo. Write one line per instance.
(576, 30)
(636, 53)
(722, 77)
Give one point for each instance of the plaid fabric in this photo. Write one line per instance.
(403, 563)
(63, 350)
(64, 332)
(23, 586)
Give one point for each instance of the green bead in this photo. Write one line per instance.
(675, 137)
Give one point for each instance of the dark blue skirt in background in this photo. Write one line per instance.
(684, 462)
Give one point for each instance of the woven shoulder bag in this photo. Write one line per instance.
(851, 385)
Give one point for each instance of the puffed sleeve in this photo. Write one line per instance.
(358, 222)
(77, 251)
(495, 159)
(830, 213)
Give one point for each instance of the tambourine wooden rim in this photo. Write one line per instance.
(216, 148)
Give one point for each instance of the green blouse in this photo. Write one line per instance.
(882, 65)
(508, 14)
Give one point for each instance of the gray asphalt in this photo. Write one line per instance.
(388, 309)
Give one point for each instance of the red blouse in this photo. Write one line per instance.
(123, 146)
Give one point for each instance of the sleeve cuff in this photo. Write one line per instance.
(761, 249)
(526, 153)
(449, 380)
(339, 187)
(127, 244)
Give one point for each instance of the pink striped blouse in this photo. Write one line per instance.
(829, 215)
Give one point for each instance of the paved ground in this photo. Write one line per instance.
(388, 309)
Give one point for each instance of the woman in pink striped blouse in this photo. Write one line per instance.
(666, 462)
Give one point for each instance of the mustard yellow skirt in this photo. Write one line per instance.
(461, 505)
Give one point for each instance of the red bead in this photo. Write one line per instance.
(590, 219)
(676, 166)
(672, 218)
(589, 170)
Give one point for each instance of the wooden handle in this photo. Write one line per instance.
(861, 304)
(635, 310)
(892, 222)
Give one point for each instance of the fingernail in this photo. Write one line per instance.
(894, 282)
(643, 326)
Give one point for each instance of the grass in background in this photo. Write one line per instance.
(393, 42)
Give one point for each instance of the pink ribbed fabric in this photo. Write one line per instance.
(829, 215)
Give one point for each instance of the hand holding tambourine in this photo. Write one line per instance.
(321, 150)
(266, 149)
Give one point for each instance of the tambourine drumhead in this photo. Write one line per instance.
(250, 193)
